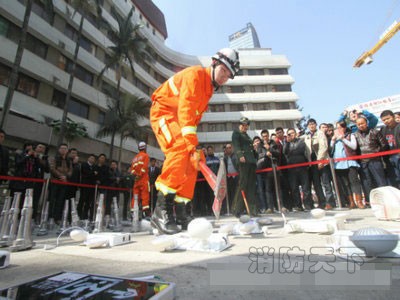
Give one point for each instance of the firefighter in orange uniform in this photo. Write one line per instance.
(140, 169)
(177, 108)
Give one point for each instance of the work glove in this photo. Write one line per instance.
(197, 156)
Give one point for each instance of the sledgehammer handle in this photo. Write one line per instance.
(245, 202)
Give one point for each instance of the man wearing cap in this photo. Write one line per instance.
(140, 169)
(243, 146)
(177, 107)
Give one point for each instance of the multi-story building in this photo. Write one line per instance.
(245, 38)
(261, 92)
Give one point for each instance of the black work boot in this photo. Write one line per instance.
(163, 216)
(183, 217)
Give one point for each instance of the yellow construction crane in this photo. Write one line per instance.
(366, 57)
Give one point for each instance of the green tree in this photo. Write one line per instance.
(128, 46)
(125, 118)
(48, 5)
(72, 129)
(84, 7)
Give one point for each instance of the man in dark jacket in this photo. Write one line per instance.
(391, 132)
(296, 152)
(243, 147)
(89, 173)
(154, 172)
(372, 172)
(267, 153)
(232, 176)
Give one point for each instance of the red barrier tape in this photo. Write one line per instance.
(324, 161)
(306, 164)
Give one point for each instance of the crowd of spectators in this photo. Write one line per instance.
(308, 185)
(250, 165)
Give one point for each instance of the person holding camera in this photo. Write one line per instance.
(350, 117)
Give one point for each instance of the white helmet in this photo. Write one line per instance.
(142, 145)
(230, 58)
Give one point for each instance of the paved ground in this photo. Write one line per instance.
(192, 272)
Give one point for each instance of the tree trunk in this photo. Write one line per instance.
(70, 85)
(120, 151)
(16, 66)
(114, 132)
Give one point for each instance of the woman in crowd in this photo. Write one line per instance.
(343, 145)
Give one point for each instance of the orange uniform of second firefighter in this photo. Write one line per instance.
(141, 187)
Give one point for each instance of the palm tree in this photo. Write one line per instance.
(129, 46)
(48, 5)
(72, 129)
(84, 7)
(124, 117)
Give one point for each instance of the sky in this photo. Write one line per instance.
(321, 39)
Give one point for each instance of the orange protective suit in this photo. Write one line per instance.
(178, 105)
(140, 168)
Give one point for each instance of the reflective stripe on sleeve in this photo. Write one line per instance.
(188, 130)
(173, 86)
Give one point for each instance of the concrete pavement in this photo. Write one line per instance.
(198, 275)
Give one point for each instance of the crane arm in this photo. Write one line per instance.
(366, 57)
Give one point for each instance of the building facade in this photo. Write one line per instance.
(245, 38)
(262, 91)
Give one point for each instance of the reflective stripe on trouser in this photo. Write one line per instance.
(141, 188)
(178, 173)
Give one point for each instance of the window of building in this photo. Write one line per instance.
(58, 99)
(5, 73)
(3, 26)
(262, 106)
(75, 106)
(159, 77)
(87, 45)
(235, 89)
(283, 123)
(80, 72)
(36, 46)
(236, 107)
(101, 117)
(282, 88)
(213, 127)
(145, 66)
(70, 32)
(147, 25)
(109, 90)
(282, 105)
(216, 108)
(154, 31)
(28, 85)
(252, 72)
(280, 71)
(39, 9)
(92, 19)
(264, 125)
(141, 86)
(10, 30)
(78, 108)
